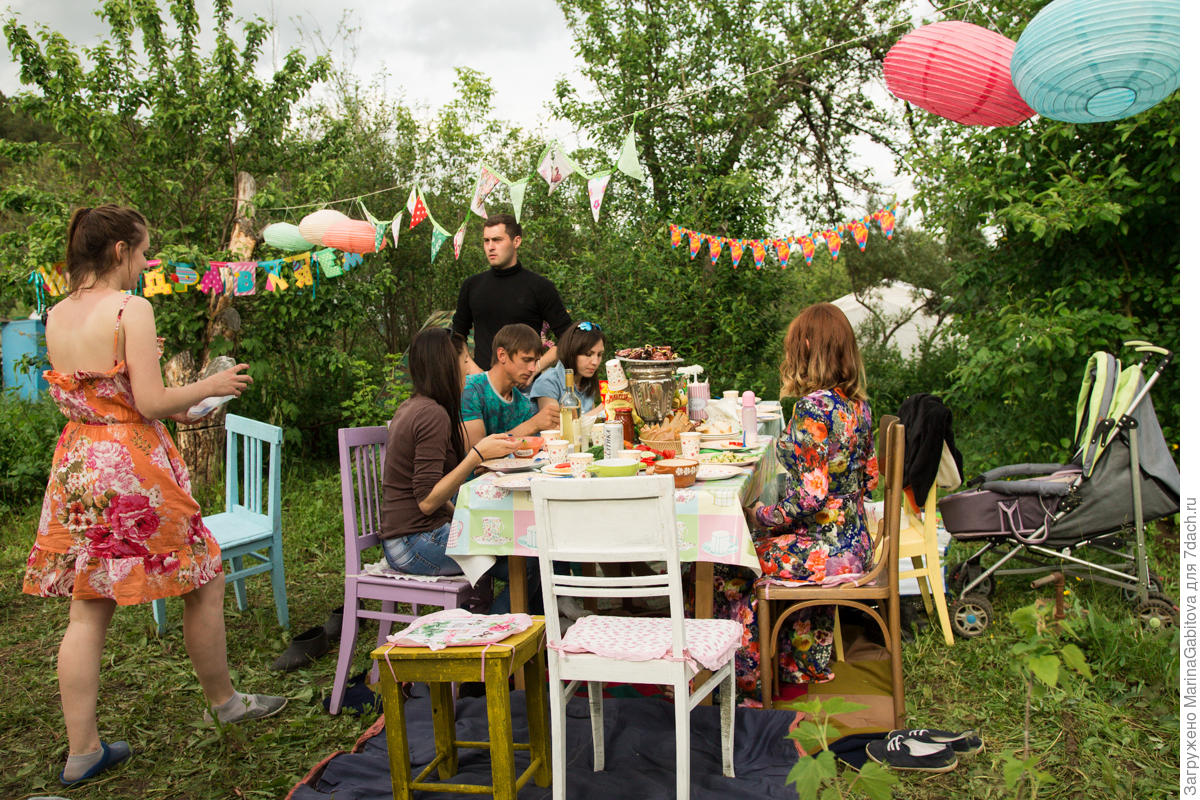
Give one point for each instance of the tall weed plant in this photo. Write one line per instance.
(28, 432)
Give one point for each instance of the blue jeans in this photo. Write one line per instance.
(421, 553)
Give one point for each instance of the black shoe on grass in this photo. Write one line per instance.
(909, 754)
(966, 743)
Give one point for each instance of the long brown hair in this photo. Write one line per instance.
(433, 363)
(575, 342)
(92, 237)
(820, 352)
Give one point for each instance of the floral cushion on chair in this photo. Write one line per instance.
(457, 627)
(710, 642)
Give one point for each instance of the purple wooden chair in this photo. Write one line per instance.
(361, 452)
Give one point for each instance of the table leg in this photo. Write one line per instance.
(704, 610)
(518, 595)
(397, 739)
(443, 729)
(536, 713)
(499, 710)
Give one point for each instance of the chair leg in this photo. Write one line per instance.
(278, 587)
(385, 627)
(596, 711)
(728, 721)
(159, 608)
(893, 612)
(683, 740)
(535, 713)
(938, 588)
(921, 567)
(443, 729)
(239, 584)
(500, 738)
(839, 646)
(397, 741)
(558, 737)
(345, 654)
(766, 652)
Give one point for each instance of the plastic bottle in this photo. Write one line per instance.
(749, 420)
(568, 412)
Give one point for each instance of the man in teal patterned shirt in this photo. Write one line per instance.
(492, 402)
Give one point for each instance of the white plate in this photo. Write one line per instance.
(727, 443)
(712, 437)
(516, 482)
(556, 472)
(743, 461)
(509, 464)
(717, 472)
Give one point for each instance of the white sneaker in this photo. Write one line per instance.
(571, 608)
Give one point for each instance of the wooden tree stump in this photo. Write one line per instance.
(200, 445)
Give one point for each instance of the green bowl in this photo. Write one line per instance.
(615, 467)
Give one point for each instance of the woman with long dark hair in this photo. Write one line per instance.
(119, 525)
(427, 457)
(580, 348)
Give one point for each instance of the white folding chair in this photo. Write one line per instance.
(625, 520)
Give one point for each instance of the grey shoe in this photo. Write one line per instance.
(254, 706)
(571, 608)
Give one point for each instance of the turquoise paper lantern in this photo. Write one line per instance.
(285, 236)
(1098, 60)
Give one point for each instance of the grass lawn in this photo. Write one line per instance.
(1114, 737)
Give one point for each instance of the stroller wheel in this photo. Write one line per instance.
(1131, 594)
(1157, 611)
(970, 615)
(963, 573)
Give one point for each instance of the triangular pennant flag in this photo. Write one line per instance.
(676, 235)
(416, 208)
(597, 185)
(783, 250)
(555, 166)
(735, 251)
(714, 247)
(833, 241)
(627, 161)
(807, 248)
(370, 217)
(516, 192)
(440, 235)
(693, 243)
(887, 222)
(859, 231)
(459, 236)
(760, 253)
(396, 228)
(487, 182)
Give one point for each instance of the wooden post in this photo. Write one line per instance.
(200, 445)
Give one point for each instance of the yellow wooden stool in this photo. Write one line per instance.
(440, 668)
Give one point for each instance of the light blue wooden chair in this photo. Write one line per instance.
(244, 530)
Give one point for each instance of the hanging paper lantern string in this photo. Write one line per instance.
(959, 71)
(1098, 60)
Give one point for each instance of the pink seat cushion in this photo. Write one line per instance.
(710, 642)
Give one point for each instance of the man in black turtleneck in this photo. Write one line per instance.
(506, 293)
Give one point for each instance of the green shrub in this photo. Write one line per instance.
(28, 432)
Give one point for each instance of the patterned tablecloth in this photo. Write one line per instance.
(491, 521)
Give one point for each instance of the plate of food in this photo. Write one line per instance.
(717, 472)
(514, 482)
(727, 444)
(562, 470)
(731, 457)
(509, 464)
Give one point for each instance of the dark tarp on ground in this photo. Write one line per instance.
(639, 748)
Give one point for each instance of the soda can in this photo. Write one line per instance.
(614, 439)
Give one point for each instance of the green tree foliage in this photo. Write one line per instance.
(1080, 252)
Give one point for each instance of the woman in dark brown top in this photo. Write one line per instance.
(427, 459)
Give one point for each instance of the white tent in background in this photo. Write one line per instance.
(898, 303)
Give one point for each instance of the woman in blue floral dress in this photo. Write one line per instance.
(817, 530)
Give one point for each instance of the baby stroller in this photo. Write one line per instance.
(1086, 518)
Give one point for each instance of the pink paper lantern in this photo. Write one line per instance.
(958, 71)
(351, 235)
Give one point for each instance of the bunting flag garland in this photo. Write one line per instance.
(735, 251)
(212, 283)
(303, 276)
(396, 228)
(760, 253)
(380, 227)
(555, 166)
(275, 282)
(351, 260)
(244, 273)
(183, 276)
(784, 246)
(597, 185)
(327, 260)
(714, 247)
(416, 207)
(156, 283)
(627, 161)
(487, 182)
(516, 192)
(459, 236)
(440, 235)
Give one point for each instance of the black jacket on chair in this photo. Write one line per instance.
(927, 424)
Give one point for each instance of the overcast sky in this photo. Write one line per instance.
(523, 46)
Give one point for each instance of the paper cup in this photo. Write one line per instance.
(579, 463)
(557, 449)
(731, 395)
(551, 433)
(689, 444)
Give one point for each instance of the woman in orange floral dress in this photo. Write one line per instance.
(817, 531)
(118, 524)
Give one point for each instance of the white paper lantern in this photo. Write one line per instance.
(313, 226)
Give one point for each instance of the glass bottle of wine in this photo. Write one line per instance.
(568, 412)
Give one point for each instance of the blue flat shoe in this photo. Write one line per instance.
(111, 755)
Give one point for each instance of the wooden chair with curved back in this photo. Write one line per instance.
(878, 586)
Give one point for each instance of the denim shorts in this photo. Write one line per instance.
(421, 553)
